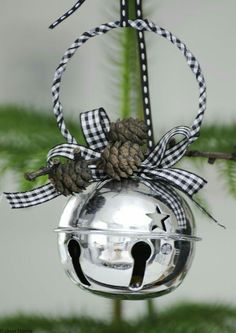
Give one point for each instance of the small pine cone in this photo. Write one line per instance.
(131, 129)
(71, 177)
(120, 160)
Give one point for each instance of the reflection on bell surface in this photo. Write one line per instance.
(126, 239)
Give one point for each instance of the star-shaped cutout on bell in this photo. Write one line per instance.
(159, 219)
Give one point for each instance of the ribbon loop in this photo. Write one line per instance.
(67, 150)
(140, 25)
(160, 154)
(95, 125)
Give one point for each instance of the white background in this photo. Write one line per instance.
(32, 279)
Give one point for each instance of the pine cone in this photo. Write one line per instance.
(120, 160)
(71, 177)
(131, 129)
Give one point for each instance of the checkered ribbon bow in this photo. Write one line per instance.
(157, 167)
(67, 14)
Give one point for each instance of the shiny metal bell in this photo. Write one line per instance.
(121, 239)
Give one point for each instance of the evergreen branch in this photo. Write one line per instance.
(130, 86)
(216, 137)
(181, 317)
(26, 136)
(126, 86)
(227, 172)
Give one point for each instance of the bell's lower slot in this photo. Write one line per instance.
(141, 252)
(75, 252)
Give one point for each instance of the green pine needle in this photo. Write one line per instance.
(182, 318)
(216, 137)
(129, 73)
(26, 136)
(130, 84)
(227, 171)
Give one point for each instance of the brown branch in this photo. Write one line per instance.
(212, 156)
(35, 174)
(46, 170)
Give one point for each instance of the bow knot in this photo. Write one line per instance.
(155, 168)
(157, 165)
(95, 125)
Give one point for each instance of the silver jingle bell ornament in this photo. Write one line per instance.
(122, 239)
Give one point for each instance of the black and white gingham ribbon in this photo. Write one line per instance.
(144, 78)
(67, 14)
(168, 196)
(124, 13)
(95, 125)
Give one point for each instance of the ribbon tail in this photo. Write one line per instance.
(31, 198)
(183, 180)
(171, 198)
(206, 212)
(67, 14)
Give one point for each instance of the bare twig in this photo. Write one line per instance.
(212, 156)
(35, 174)
(47, 169)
